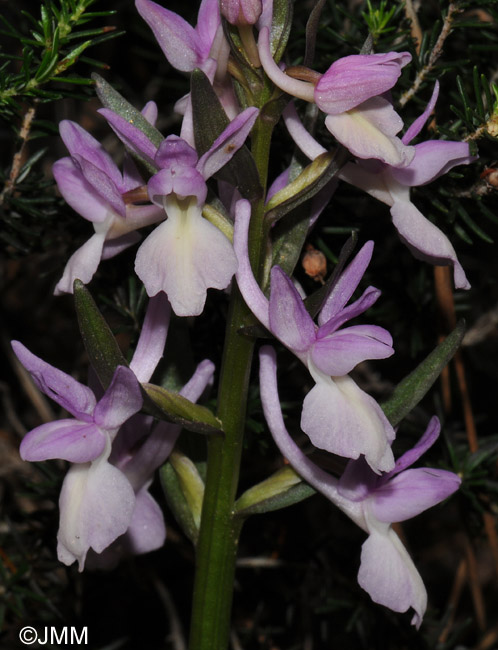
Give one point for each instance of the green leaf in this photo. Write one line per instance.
(310, 181)
(288, 239)
(182, 411)
(412, 389)
(175, 497)
(282, 489)
(191, 484)
(110, 98)
(210, 120)
(280, 27)
(102, 349)
(105, 356)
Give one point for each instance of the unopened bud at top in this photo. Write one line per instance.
(241, 12)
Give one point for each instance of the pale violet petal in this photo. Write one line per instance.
(184, 257)
(82, 264)
(289, 320)
(369, 131)
(426, 241)
(150, 346)
(96, 506)
(354, 79)
(72, 440)
(342, 419)
(347, 283)
(177, 39)
(372, 183)
(388, 575)
(411, 492)
(78, 192)
(147, 531)
(56, 384)
(121, 400)
(340, 352)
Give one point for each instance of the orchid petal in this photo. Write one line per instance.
(426, 241)
(342, 419)
(78, 192)
(150, 111)
(80, 142)
(433, 158)
(411, 492)
(82, 264)
(176, 38)
(369, 131)
(59, 386)
(175, 153)
(411, 456)
(372, 183)
(103, 184)
(367, 299)
(227, 143)
(357, 481)
(208, 22)
(120, 401)
(113, 247)
(289, 320)
(415, 128)
(389, 576)
(339, 353)
(96, 506)
(354, 79)
(147, 531)
(183, 257)
(150, 347)
(182, 181)
(347, 283)
(130, 135)
(77, 442)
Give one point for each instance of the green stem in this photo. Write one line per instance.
(219, 531)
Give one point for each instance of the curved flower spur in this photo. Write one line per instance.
(335, 405)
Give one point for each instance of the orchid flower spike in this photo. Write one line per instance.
(97, 500)
(337, 415)
(93, 186)
(185, 255)
(373, 502)
(391, 185)
(350, 93)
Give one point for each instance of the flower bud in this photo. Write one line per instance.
(241, 12)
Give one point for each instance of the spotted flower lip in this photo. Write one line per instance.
(335, 402)
(373, 502)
